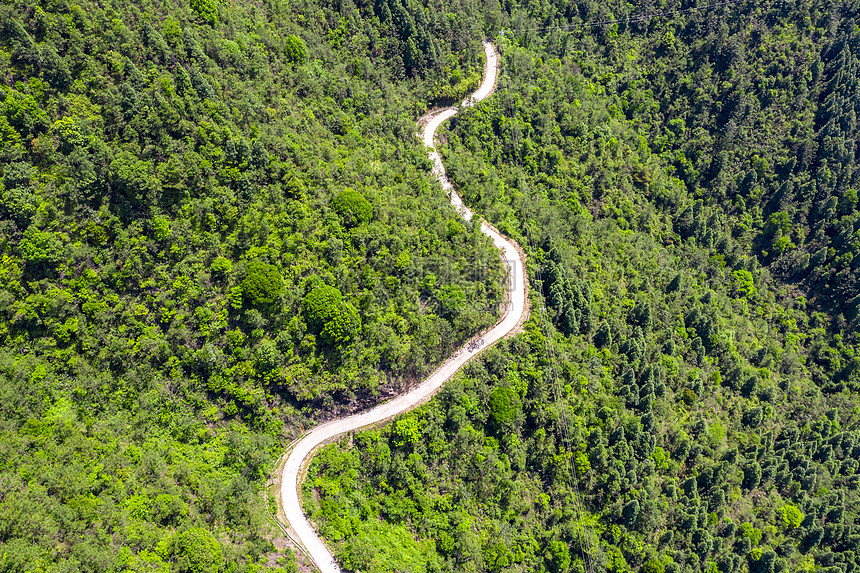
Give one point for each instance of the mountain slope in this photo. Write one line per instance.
(704, 359)
(217, 227)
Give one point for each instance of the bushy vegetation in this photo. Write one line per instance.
(177, 178)
(684, 186)
(262, 285)
(217, 226)
(353, 207)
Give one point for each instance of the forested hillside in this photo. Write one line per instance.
(217, 227)
(685, 183)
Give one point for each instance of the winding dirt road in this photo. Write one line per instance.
(515, 313)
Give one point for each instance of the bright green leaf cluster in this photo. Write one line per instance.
(263, 284)
(353, 207)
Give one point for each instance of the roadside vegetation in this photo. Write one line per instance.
(216, 227)
(685, 186)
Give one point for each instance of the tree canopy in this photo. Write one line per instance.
(172, 176)
(684, 183)
(217, 227)
(263, 284)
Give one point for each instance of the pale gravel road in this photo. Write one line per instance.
(510, 324)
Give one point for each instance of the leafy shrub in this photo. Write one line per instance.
(353, 207)
(161, 227)
(207, 10)
(267, 355)
(263, 284)
(376, 546)
(197, 551)
(327, 314)
(407, 431)
(134, 180)
(320, 305)
(68, 133)
(221, 265)
(41, 247)
(791, 516)
(295, 50)
(558, 555)
(452, 300)
(342, 326)
(24, 114)
(653, 566)
(504, 405)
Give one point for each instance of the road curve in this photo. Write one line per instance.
(515, 314)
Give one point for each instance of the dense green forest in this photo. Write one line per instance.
(216, 227)
(685, 183)
(219, 227)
